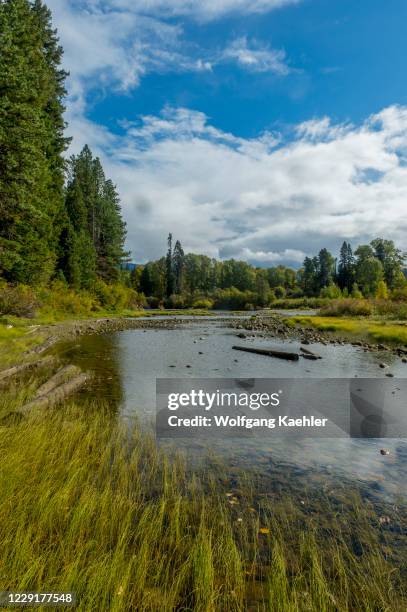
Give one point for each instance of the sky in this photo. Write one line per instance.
(262, 130)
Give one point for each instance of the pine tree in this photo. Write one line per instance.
(169, 273)
(31, 141)
(346, 267)
(326, 266)
(94, 231)
(178, 259)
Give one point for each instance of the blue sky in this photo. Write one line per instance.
(258, 129)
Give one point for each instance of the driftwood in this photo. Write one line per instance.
(25, 367)
(269, 352)
(60, 376)
(309, 354)
(43, 347)
(56, 395)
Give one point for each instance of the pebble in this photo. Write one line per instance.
(384, 451)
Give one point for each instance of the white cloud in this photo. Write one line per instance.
(256, 57)
(112, 44)
(258, 199)
(272, 257)
(199, 9)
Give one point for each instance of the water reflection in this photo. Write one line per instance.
(126, 365)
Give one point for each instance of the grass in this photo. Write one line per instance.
(87, 506)
(379, 331)
(16, 337)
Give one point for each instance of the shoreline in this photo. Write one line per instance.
(37, 338)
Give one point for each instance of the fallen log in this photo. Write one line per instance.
(309, 354)
(310, 357)
(37, 350)
(56, 395)
(62, 375)
(269, 352)
(25, 367)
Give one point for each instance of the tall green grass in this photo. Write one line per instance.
(87, 506)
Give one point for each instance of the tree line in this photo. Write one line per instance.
(180, 279)
(58, 219)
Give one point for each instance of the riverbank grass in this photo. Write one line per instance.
(370, 329)
(85, 506)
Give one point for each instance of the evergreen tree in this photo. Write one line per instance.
(31, 141)
(94, 232)
(326, 268)
(169, 269)
(178, 267)
(346, 267)
(111, 234)
(310, 276)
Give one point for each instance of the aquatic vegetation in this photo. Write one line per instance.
(86, 506)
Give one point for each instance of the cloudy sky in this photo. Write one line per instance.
(255, 129)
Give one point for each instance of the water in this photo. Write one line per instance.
(126, 365)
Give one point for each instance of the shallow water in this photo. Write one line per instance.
(126, 365)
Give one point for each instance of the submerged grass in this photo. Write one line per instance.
(87, 506)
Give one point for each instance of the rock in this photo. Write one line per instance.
(384, 451)
(200, 353)
(390, 375)
(305, 341)
(383, 365)
(188, 366)
(241, 335)
(404, 360)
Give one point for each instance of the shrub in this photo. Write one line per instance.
(60, 299)
(279, 292)
(298, 303)
(356, 293)
(382, 292)
(399, 294)
(233, 298)
(153, 302)
(347, 307)
(115, 296)
(175, 301)
(391, 310)
(202, 303)
(18, 300)
(331, 292)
